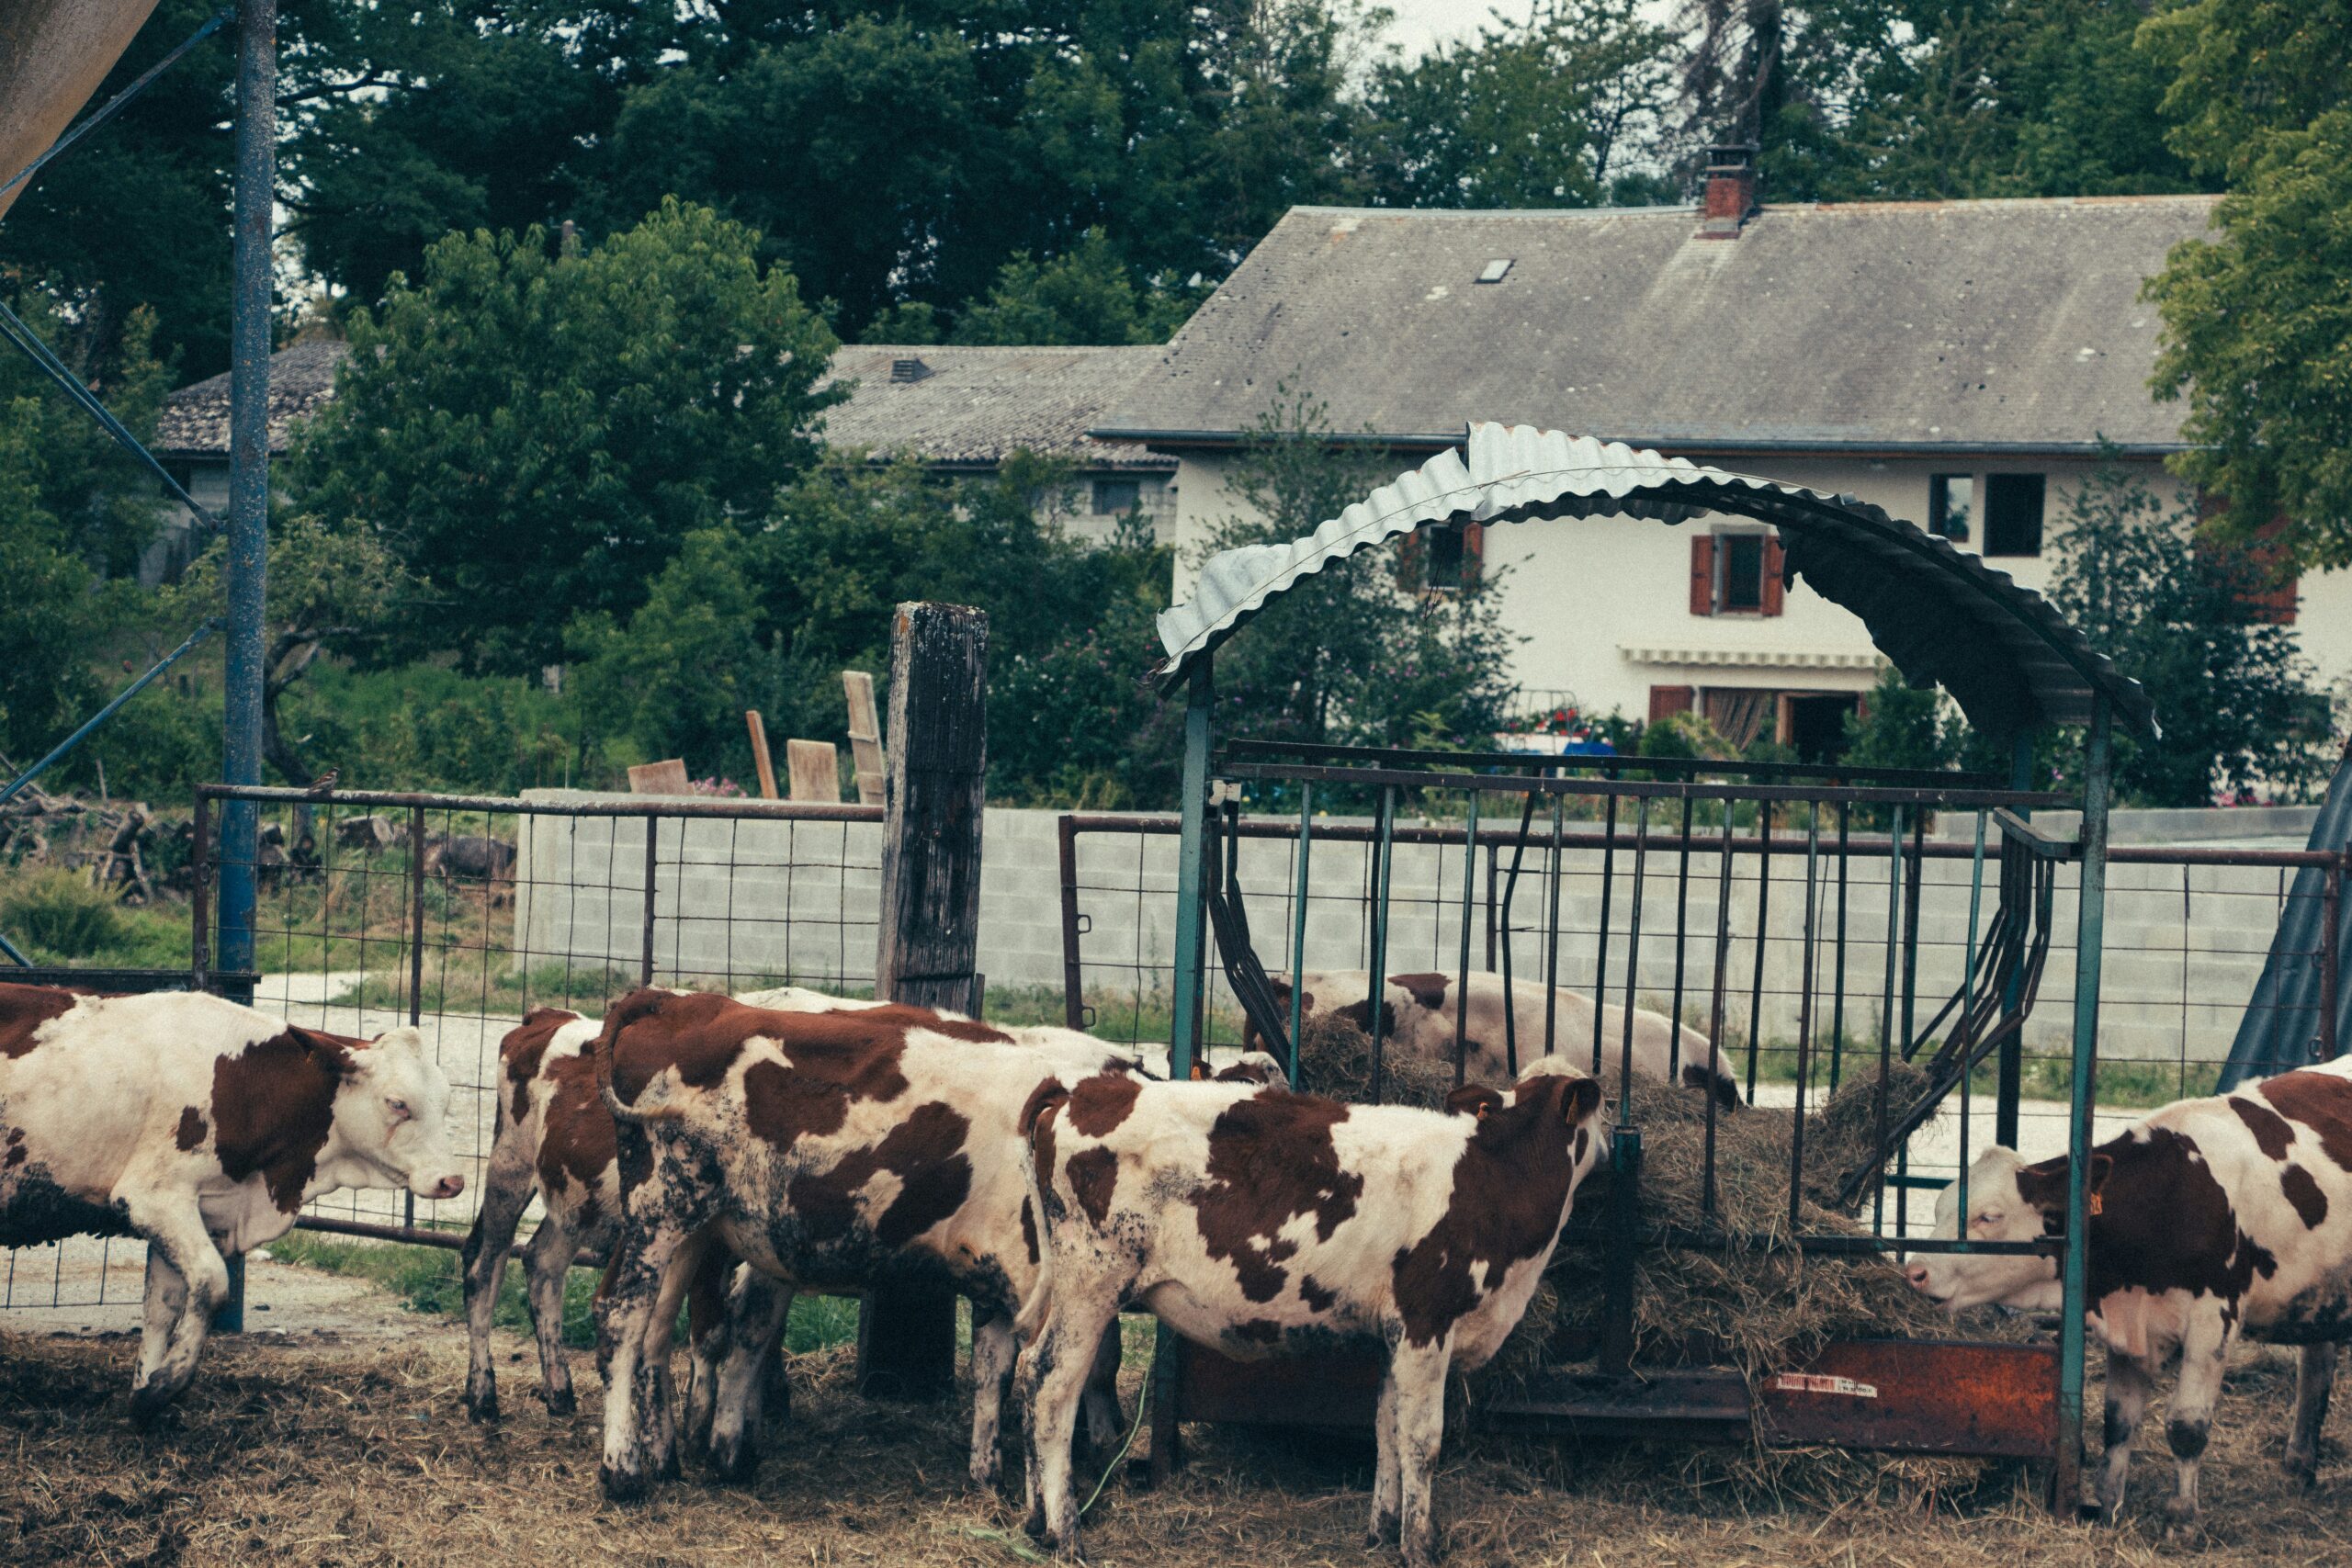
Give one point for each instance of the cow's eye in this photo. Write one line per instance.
(1989, 1217)
(399, 1108)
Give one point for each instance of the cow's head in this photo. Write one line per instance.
(1553, 1100)
(1251, 1066)
(2008, 1200)
(391, 1119)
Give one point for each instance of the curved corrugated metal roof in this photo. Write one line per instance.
(1941, 613)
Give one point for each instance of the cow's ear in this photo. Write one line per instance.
(330, 1052)
(1473, 1099)
(1583, 1098)
(2044, 1185)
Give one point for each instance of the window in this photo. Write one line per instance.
(2013, 514)
(1441, 559)
(1444, 569)
(1116, 497)
(1735, 574)
(1951, 504)
(1494, 271)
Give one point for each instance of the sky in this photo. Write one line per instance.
(1420, 23)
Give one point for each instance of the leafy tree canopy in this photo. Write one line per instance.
(535, 435)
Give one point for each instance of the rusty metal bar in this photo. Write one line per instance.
(1804, 1025)
(1073, 966)
(645, 969)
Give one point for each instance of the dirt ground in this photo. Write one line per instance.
(348, 1445)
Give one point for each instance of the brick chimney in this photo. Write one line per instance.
(1730, 191)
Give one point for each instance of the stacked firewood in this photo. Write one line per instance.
(118, 843)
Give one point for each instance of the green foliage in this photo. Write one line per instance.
(536, 436)
(1539, 113)
(2243, 71)
(60, 912)
(1357, 653)
(1686, 734)
(428, 727)
(2258, 338)
(1084, 296)
(1906, 727)
(2174, 612)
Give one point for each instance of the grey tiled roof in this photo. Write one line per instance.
(1980, 324)
(976, 406)
(195, 421)
(973, 407)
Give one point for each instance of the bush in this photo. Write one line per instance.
(60, 912)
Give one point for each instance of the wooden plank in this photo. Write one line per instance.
(815, 769)
(865, 736)
(929, 944)
(666, 777)
(761, 757)
(1919, 1396)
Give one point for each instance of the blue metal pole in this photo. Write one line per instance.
(248, 497)
(2090, 936)
(1191, 913)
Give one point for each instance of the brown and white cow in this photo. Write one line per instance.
(2209, 1219)
(202, 1126)
(834, 1150)
(1258, 1221)
(555, 1141)
(1418, 1014)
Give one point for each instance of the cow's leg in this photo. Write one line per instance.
(2129, 1380)
(642, 1289)
(707, 1339)
(2204, 1352)
(1419, 1374)
(992, 1357)
(547, 1265)
(2314, 1380)
(1386, 1514)
(166, 1297)
(175, 1234)
(757, 1310)
(1103, 1426)
(1052, 1371)
(482, 1265)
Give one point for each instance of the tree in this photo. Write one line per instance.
(536, 434)
(2258, 333)
(1085, 297)
(1554, 111)
(2180, 614)
(1361, 652)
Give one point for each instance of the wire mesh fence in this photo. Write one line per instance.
(1800, 953)
(461, 914)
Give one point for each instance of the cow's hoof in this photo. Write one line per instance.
(734, 1461)
(1384, 1530)
(624, 1485)
(559, 1401)
(148, 1402)
(2303, 1467)
(483, 1406)
(2179, 1512)
(1034, 1527)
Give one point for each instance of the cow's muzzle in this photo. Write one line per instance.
(438, 1187)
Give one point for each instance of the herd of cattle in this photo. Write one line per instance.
(723, 1153)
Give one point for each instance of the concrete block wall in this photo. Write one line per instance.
(767, 901)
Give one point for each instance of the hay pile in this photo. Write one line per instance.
(1335, 1060)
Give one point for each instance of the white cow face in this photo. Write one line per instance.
(391, 1114)
(2008, 1200)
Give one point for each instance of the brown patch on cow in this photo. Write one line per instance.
(1726, 1093)
(2321, 1102)
(1509, 1187)
(1098, 1104)
(925, 1151)
(525, 1047)
(16, 1156)
(1316, 1297)
(2165, 1222)
(1039, 1098)
(24, 1008)
(273, 1106)
(1427, 989)
(1029, 1228)
(577, 1141)
(191, 1129)
(1093, 1173)
(1272, 1159)
(2303, 1192)
(2270, 1131)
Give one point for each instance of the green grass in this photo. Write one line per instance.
(424, 1280)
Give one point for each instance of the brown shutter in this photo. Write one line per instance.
(1664, 700)
(1474, 554)
(1772, 586)
(1702, 574)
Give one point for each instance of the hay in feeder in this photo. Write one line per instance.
(1335, 1060)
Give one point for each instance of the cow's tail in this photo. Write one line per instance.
(625, 1012)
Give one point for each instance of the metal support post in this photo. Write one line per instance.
(2090, 932)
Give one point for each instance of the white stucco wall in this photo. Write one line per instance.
(1599, 600)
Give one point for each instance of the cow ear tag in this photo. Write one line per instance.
(1484, 1106)
(1198, 1072)
(2098, 1204)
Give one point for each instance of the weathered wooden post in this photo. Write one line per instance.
(930, 918)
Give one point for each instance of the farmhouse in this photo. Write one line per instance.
(955, 410)
(1959, 363)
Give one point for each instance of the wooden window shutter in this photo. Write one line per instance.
(1664, 700)
(1474, 554)
(1773, 590)
(1702, 574)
